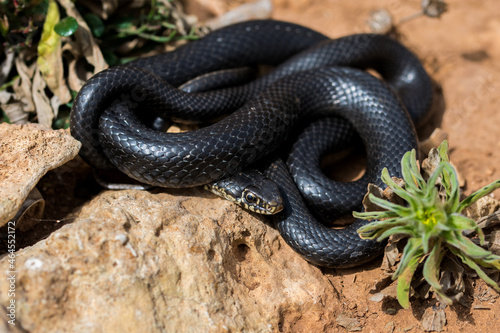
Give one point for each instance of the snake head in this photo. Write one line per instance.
(250, 190)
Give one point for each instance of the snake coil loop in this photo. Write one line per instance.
(313, 77)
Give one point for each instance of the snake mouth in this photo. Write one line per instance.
(269, 209)
(274, 207)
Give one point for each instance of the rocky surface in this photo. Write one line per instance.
(27, 152)
(156, 262)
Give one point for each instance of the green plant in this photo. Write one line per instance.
(21, 22)
(433, 223)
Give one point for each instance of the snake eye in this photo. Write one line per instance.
(250, 197)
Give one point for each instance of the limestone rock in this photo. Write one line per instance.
(27, 152)
(157, 262)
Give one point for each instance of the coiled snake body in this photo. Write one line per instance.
(303, 86)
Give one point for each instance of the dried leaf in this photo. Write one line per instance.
(88, 47)
(104, 8)
(392, 255)
(368, 205)
(77, 73)
(15, 113)
(452, 276)
(6, 66)
(42, 102)
(23, 85)
(387, 194)
(55, 102)
(431, 163)
(433, 141)
(5, 97)
(248, 11)
(393, 197)
(50, 55)
(31, 211)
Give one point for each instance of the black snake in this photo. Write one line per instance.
(312, 77)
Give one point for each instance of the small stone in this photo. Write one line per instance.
(391, 311)
(389, 327)
(434, 319)
(380, 21)
(351, 324)
(434, 8)
(494, 242)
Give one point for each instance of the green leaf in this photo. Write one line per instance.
(61, 122)
(158, 39)
(95, 23)
(431, 271)
(431, 182)
(66, 27)
(376, 215)
(412, 249)
(398, 190)
(401, 230)
(404, 280)
(417, 176)
(443, 151)
(461, 222)
(389, 223)
(452, 188)
(110, 57)
(478, 195)
(49, 41)
(4, 28)
(491, 262)
(376, 229)
(472, 264)
(123, 23)
(9, 84)
(426, 238)
(411, 175)
(468, 247)
(5, 118)
(389, 205)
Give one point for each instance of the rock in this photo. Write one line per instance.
(389, 327)
(27, 152)
(157, 262)
(434, 319)
(351, 324)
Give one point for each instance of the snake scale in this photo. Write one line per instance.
(312, 77)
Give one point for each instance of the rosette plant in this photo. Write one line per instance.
(433, 222)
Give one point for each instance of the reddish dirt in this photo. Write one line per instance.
(461, 51)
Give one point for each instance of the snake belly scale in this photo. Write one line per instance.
(262, 115)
